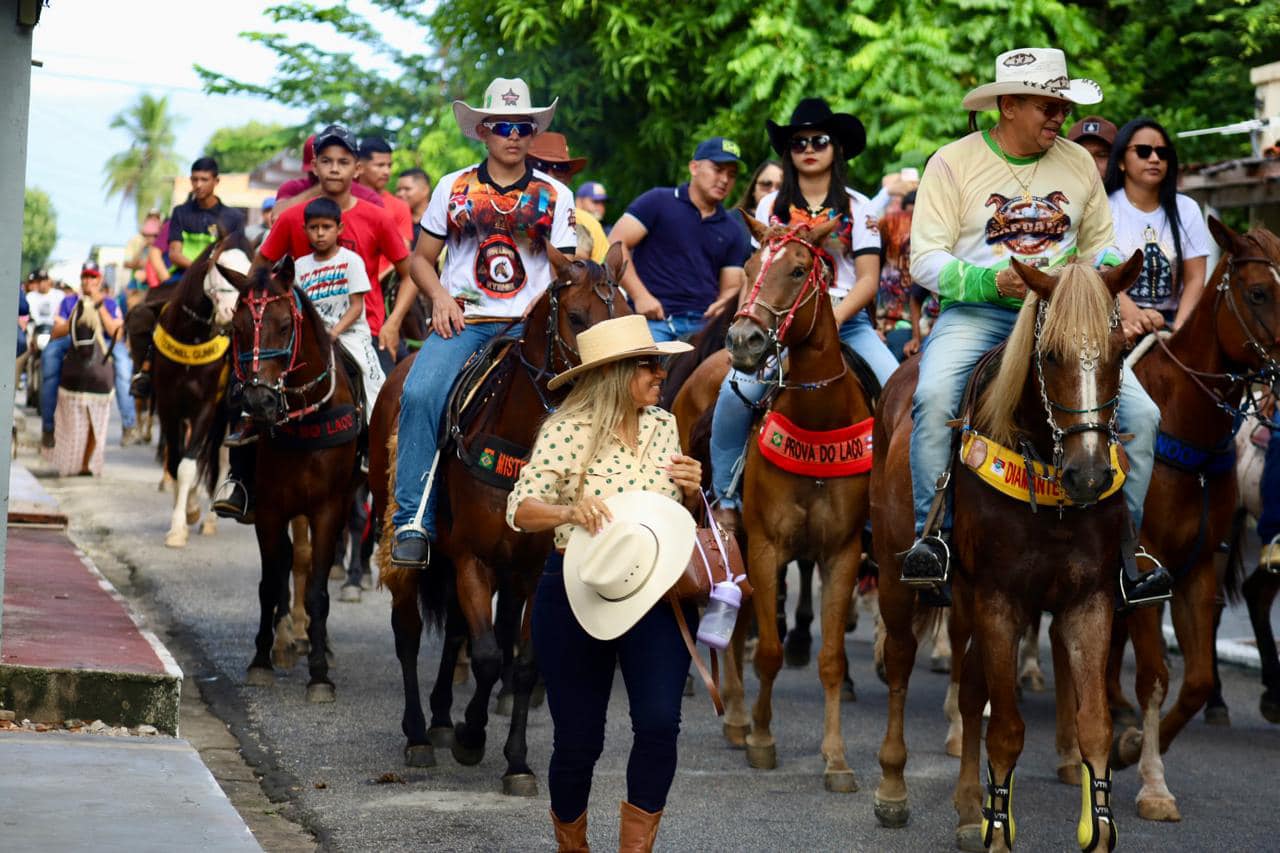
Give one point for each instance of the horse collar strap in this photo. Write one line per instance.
(1192, 459)
(842, 452)
(1012, 474)
(192, 355)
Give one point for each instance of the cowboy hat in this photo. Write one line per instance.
(1033, 71)
(553, 148)
(504, 97)
(613, 578)
(816, 114)
(614, 340)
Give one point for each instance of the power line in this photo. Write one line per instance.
(136, 84)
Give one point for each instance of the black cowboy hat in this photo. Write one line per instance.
(816, 114)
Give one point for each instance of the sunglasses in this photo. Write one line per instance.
(552, 168)
(820, 143)
(504, 128)
(652, 363)
(1144, 152)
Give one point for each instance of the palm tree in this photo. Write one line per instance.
(142, 174)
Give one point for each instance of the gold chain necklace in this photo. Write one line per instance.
(1004, 158)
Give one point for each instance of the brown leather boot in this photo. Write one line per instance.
(571, 837)
(639, 829)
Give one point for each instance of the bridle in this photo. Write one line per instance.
(257, 300)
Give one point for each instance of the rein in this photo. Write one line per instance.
(257, 302)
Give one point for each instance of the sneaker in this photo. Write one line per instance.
(1139, 588)
(927, 563)
(128, 436)
(411, 549)
(46, 440)
(233, 502)
(140, 385)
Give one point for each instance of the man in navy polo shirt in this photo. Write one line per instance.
(686, 252)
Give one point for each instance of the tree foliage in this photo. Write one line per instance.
(244, 147)
(143, 173)
(641, 82)
(39, 229)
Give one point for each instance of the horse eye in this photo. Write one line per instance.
(1257, 295)
(577, 321)
(1051, 357)
(798, 272)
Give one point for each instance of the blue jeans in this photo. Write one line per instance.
(578, 671)
(1269, 523)
(677, 326)
(51, 373)
(731, 421)
(426, 390)
(958, 340)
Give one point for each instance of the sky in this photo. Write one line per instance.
(98, 56)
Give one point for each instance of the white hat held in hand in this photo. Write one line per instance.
(1033, 71)
(505, 97)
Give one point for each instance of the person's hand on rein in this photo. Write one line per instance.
(591, 513)
(687, 473)
(1009, 284)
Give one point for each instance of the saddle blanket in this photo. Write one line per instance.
(1006, 471)
(495, 461)
(206, 352)
(329, 428)
(842, 452)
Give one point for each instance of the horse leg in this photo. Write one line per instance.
(999, 624)
(971, 700)
(1154, 800)
(940, 660)
(763, 565)
(300, 533)
(1259, 593)
(475, 597)
(274, 549)
(1030, 675)
(736, 723)
(455, 638)
(1122, 712)
(800, 639)
(406, 625)
(897, 609)
(959, 630)
(185, 482)
(839, 574)
(1215, 709)
(1192, 612)
(506, 629)
(357, 523)
(1065, 705)
(518, 780)
(326, 524)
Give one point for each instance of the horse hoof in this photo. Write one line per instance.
(796, 656)
(260, 676)
(688, 686)
(420, 755)
(1124, 717)
(954, 745)
(969, 838)
(839, 781)
(847, 691)
(176, 540)
(320, 692)
(467, 756)
(284, 657)
(506, 704)
(441, 737)
(520, 785)
(736, 734)
(1069, 774)
(892, 815)
(302, 646)
(337, 572)
(209, 528)
(1217, 715)
(762, 757)
(1127, 749)
(1159, 808)
(940, 663)
(881, 673)
(1033, 681)
(1270, 709)
(349, 593)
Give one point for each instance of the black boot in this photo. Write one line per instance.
(410, 548)
(234, 501)
(1139, 588)
(927, 563)
(140, 383)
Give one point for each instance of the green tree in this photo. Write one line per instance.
(39, 229)
(244, 147)
(143, 174)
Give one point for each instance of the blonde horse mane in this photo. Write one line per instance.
(93, 321)
(1078, 313)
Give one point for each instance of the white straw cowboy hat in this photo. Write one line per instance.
(505, 97)
(614, 340)
(612, 579)
(1033, 71)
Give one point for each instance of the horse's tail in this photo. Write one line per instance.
(1233, 575)
(926, 620)
(434, 582)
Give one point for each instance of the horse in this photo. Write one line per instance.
(1054, 393)
(305, 408)
(788, 515)
(189, 376)
(1199, 378)
(477, 554)
(84, 395)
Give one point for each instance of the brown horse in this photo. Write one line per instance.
(304, 406)
(786, 515)
(1059, 376)
(1199, 379)
(477, 555)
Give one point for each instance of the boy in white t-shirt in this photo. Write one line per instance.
(334, 279)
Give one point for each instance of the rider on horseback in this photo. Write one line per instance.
(1049, 207)
(497, 218)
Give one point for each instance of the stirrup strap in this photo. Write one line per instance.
(709, 679)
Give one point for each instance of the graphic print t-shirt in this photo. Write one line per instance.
(332, 284)
(857, 234)
(496, 237)
(1149, 232)
(972, 215)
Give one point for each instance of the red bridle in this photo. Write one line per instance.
(815, 283)
(257, 302)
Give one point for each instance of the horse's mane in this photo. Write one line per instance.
(1079, 311)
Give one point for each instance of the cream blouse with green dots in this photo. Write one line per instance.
(553, 470)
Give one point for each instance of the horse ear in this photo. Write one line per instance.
(559, 262)
(1223, 235)
(616, 261)
(820, 232)
(283, 272)
(1119, 279)
(757, 228)
(1042, 285)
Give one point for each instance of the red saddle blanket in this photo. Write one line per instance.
(840, 452)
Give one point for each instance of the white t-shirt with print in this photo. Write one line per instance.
(330, 285)
(496, 260)
(43, 307)
(863, 238)
(1138, 230)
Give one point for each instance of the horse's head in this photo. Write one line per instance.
(788, 275)
(582, 294)
(227, 270)
(1247, 302)
(265, 339)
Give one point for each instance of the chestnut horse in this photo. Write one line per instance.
(1057, 387)
(790, 516)
(286, 360)
(477, 554)
(1199, 378)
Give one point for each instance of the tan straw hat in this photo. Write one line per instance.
(1033, 71)
(614, 340)
(505, 97)
(614, 577)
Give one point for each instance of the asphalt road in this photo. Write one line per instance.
(327, 759)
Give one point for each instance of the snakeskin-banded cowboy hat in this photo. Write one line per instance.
(615, 340)
(816, 114)
(505, 97)
(1033, 71)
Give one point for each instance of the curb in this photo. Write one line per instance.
(1237, 652)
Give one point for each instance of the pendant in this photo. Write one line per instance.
(1026, 197)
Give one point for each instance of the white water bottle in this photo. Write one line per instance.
(716, 628)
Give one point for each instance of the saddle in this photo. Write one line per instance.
(485, 377)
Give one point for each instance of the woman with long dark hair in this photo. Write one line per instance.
(814, 147)
(765, 179)
(1150, 215)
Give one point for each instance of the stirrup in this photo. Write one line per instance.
(225, 504)
(918, 572)
(1140, 589)
(140, 385)
(408, 557)
(1269, 557)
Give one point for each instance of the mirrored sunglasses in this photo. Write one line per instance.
(1144, 152)
(800, 144)
(504, 128)
(653, 363)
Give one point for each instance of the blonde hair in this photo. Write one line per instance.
(601, 400)
(1078, 313)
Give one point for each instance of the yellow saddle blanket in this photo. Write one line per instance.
(1006, 471)
(190, 354)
